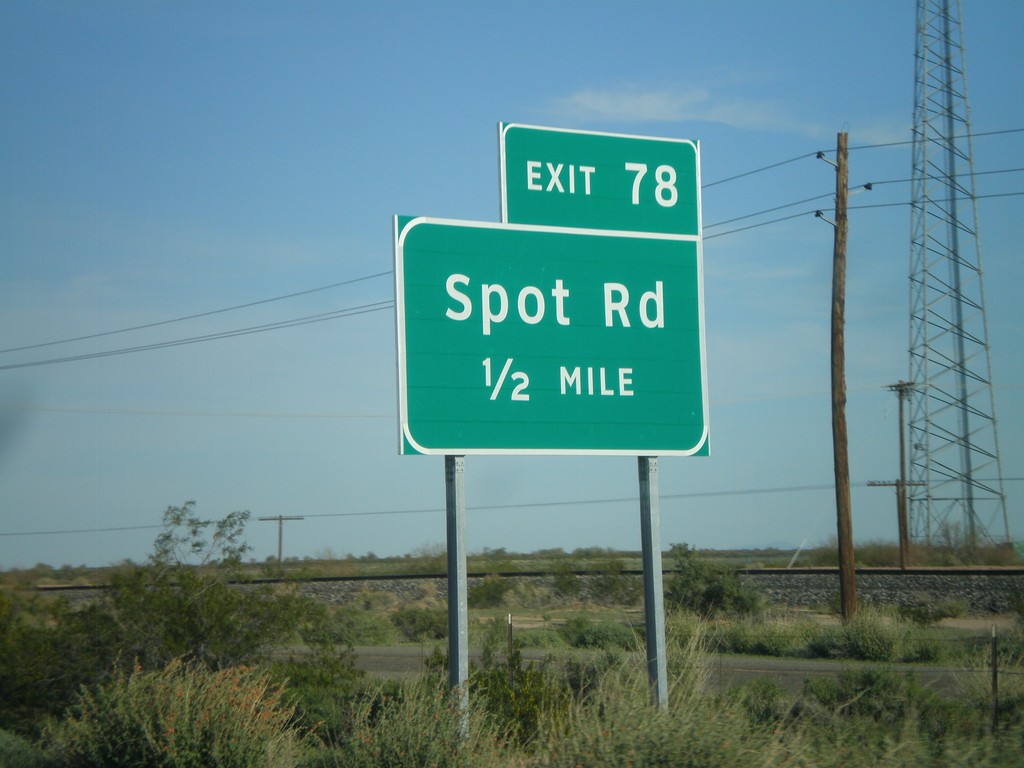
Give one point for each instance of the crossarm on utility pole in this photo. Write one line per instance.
(280, 529)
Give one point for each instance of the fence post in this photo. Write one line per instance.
(995, 681)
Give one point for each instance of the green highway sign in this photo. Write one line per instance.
(594, 180)
(548, 340)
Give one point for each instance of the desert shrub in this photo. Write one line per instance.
(828, 643)
(706, 588)
(925, 647)
(351, 625)
(879, 694)
(583, 673)
(873, 636)
(47, 650)
(517, 697)
(581, 632)
(763, 699)
(611, 586)
(566, 582)
(18, 752)
(877, 634)
(427, 558)
(925, 612)
(419, 624)
(761, 637)
(183, 603)
(375, 600)
(489, 592)
(180, 604)
(182, 715)
(617, 727)
(412, 725)
(895, 704)
(544, 638)
(527, 593)
(682, 628)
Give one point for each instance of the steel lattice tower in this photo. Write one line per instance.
(956, 485)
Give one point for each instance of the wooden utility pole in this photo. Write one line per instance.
(280, 529)
(844, 524)
(903, 390)
(901, 516)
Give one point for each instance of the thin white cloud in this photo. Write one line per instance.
(632, 104)
(635, 104)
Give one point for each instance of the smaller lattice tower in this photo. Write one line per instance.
(956, 485)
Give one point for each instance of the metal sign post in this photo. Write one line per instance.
(654, 599)
(458, 612)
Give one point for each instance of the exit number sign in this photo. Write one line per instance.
(595, 180)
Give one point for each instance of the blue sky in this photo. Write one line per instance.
(165, 160)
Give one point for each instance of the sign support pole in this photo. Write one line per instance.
(654, 593)
(458, 611)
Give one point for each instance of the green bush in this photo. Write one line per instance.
(412, 725)
(581, 632)
(182, 715)
(182, 604)
(894, 703)
(762, 637)
(47, 650)
(351, 625)
(617, 728)
(707, 588)
(518, 698)
(583, 673)
(877, 634)
(873, 636)
(419, 624)
(828, 643)
(489, 592)
(763, 699)
(611, 586)
(18, 752)
(925, 648)
(544, 638)
(926, 613)
(566, 582)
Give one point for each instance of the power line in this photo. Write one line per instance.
(497, 507)
(317, 318)
(976, 173)
(862, 146)
(760, 224)
(196, 414)
(907, 142)
(83, 530)
(197, 315)
(869, 185)
(852, 207)
(759, 170)
(767, 210)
